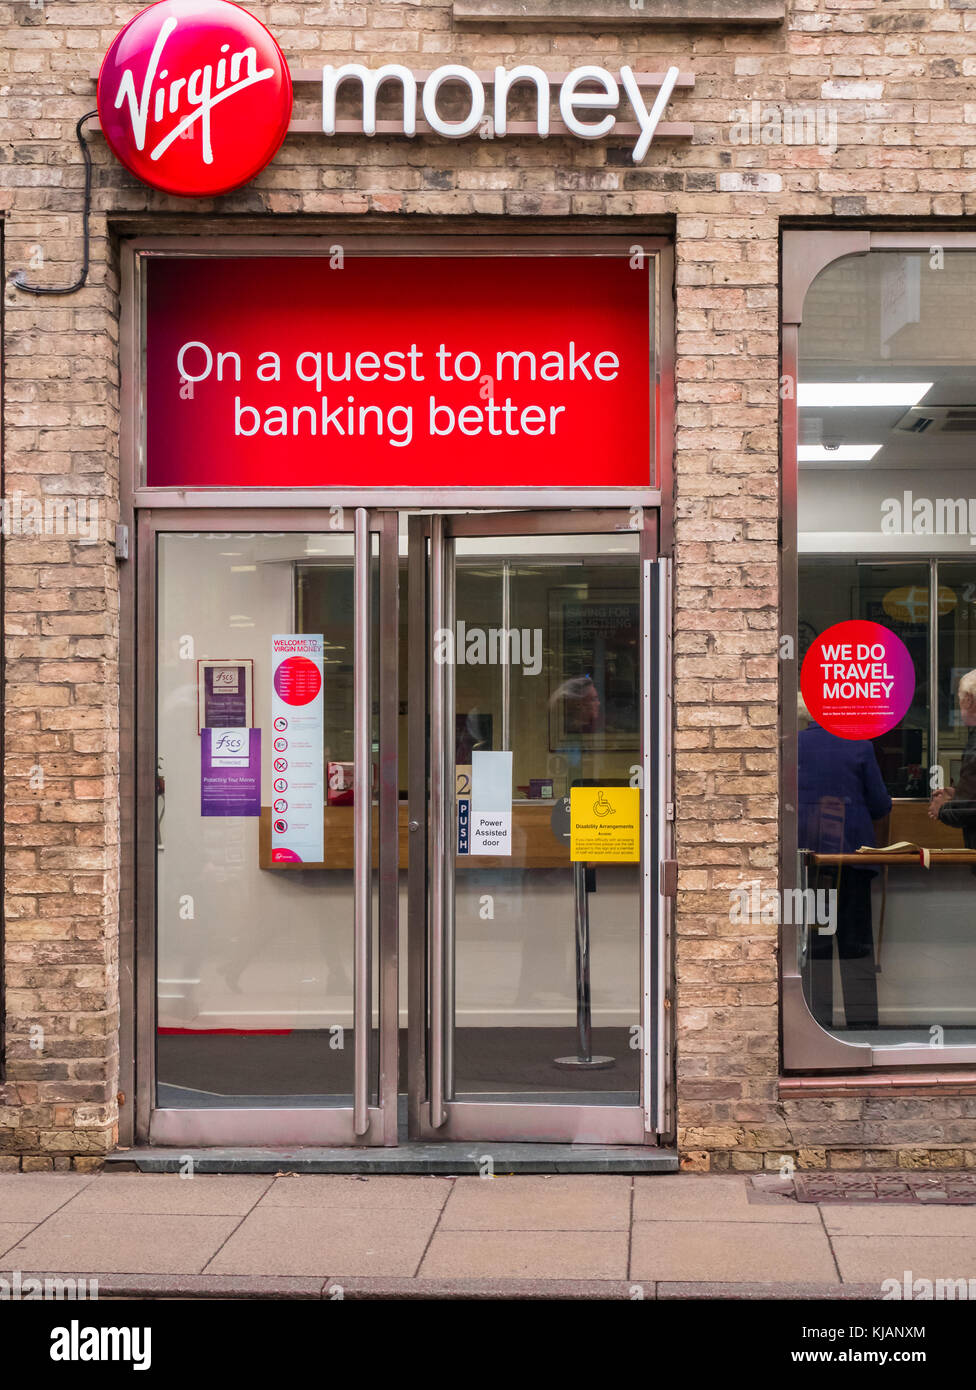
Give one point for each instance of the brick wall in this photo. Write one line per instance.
(897, 74)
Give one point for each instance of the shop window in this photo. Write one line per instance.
(886, 513)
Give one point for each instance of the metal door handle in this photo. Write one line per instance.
(362, 828)
(413, 825)
(436, 833)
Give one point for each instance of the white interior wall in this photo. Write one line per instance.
(840, 510)
(927, 949)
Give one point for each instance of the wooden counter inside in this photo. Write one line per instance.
(909, 858)
(910, 821)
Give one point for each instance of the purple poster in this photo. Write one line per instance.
(224, 696)
(230, 772)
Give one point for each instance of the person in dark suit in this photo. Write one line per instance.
(956, 806)
(841, 793)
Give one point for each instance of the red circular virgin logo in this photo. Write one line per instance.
(194, 96)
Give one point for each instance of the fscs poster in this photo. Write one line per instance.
(230, 776)
(298, 780)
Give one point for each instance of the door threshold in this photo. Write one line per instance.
(448, 1159)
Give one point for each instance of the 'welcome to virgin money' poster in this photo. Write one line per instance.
(298, 777)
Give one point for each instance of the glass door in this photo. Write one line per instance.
(262, 868)
(536, 966)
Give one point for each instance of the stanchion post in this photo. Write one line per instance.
(584, 1021)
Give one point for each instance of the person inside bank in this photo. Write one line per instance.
(956, 805)
(841, 794)
(576, 707)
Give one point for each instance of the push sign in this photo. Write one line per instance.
(194, 96)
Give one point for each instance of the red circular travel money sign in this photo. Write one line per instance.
(194, 96)
(857, 679)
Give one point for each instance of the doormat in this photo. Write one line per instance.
(950, 1188)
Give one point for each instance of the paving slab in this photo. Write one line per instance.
(172, 1195)
(805, 1293)
(731, 1251)
(586, 1202)
(527, 1254)
(310, 1235)
(585, 1290)
(899, 1219)
(868, 1257)
(206, 1286)
(33, 1196)
(684, 1197)
(391, 1287)
(348, 1193)
(326, 1242)
(11, 1232)
(122, 1243)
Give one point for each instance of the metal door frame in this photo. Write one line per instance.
(141, 510)
(431, 1117)
(361, 1123)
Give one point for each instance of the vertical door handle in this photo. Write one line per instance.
(436, 831)
(362, 826)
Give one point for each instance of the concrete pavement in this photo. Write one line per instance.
(583, 1235)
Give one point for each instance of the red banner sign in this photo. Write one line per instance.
(399, 372)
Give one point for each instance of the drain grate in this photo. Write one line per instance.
(947, 1189)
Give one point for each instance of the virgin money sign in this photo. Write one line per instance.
(194, 96)
(398, 372)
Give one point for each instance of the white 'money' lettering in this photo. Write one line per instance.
(572, 99)
(371, 82)
(454, 130)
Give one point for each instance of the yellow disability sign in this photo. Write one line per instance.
(604, 824)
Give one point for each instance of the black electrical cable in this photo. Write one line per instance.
(18, 280)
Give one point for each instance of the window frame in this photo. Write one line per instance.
(806, 1046)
